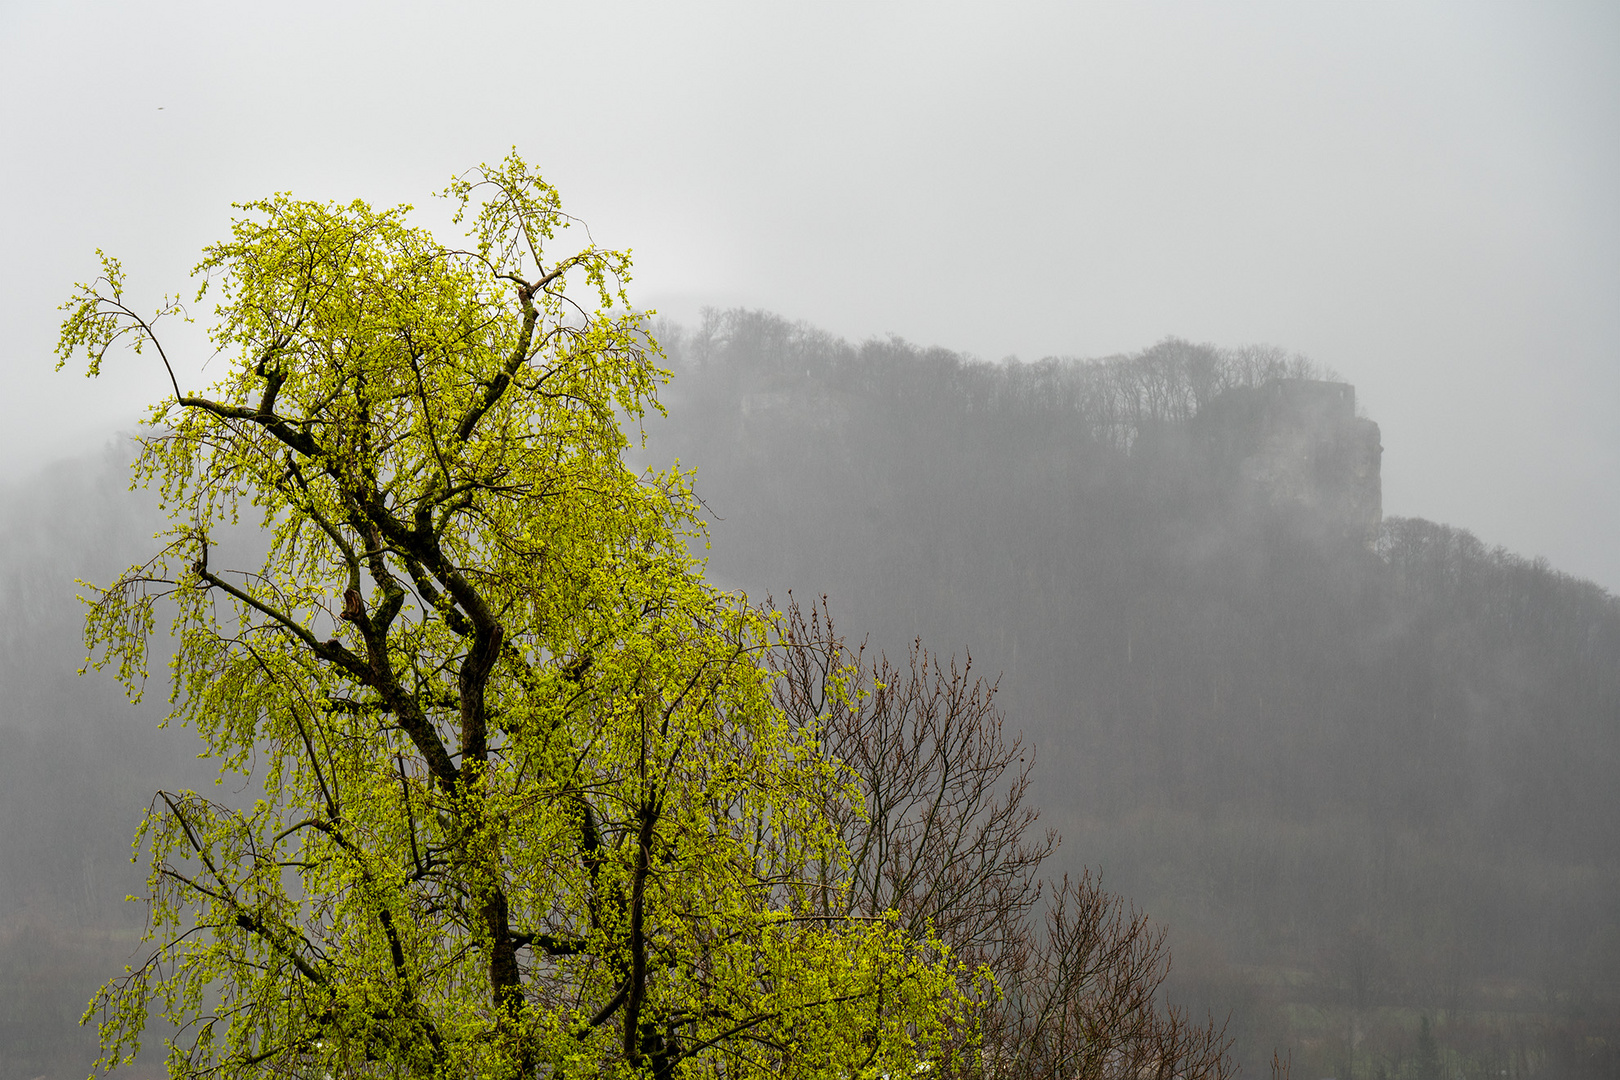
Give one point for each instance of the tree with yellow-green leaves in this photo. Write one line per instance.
(529, 806)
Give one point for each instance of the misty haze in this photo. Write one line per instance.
(1361, 766)
(1219, 403)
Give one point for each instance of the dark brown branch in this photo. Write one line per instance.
(605, 1011)
(551, 944)
(520, 355)
(637, 982)
(330, 651)
(300, 441)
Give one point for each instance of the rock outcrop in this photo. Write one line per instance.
(1297, 445)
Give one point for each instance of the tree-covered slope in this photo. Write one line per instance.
(1372, 757)
(1365, 775)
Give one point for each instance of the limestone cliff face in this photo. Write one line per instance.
(1298, 445)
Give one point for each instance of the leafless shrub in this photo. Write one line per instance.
(946, 837)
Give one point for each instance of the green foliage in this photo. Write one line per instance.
(528, 806)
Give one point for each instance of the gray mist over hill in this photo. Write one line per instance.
(1362, 765)
(1419, 195)
(1285, 690)
(1359, 765)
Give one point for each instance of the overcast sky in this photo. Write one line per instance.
(1424, 197)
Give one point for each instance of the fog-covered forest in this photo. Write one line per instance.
(1361, 767)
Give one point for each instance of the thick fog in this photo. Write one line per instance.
(977, 316)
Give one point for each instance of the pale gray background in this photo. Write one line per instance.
(1425, 197)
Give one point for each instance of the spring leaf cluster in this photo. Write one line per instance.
(528, 807)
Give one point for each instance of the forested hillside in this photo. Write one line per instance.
(1363, 767)
(78, 763)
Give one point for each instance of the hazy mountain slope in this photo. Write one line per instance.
(1363, 771)
(1377, 754)
(78, 763)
